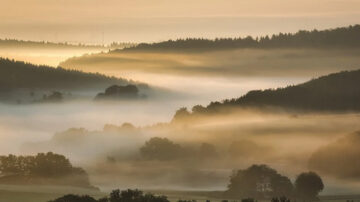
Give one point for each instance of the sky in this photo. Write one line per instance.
(104, 21)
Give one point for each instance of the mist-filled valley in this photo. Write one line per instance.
(48, 53)
(190, 119)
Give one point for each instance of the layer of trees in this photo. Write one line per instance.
(334, 92)
(45, 168)
(243, 184)
(345, 37)
(115, 196)
(8, 43)
(42, 44)
(119, 92)
(163, 149)
(261, 181)
(21, 75)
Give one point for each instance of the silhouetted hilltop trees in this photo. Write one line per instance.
(334, 92)
(15, 43)
(116, 196)
(21, 75)
(119, 92)
(344, 37)
(43, 168)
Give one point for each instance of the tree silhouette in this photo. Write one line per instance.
(161, 149)
(258, 181)
(181, 114)
(45, 166)
(308, 185)
(74, 198)
(115, 92)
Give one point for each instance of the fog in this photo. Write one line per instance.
(308, 63)
(286, 141)
(39, 121)
(45, 56)
(208, 148)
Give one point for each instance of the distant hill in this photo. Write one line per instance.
(12, 43)
(20, 75)
(334, 92)
(345, 37)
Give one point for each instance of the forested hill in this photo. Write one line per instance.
(345, 37)
(334, 92)
(20, 75)
(15, 43)
(42, 44)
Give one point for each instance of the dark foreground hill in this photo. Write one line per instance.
(343, 37)
(334, 92)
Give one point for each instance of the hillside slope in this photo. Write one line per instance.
(334, 92)
(19, 75)
(343, 37)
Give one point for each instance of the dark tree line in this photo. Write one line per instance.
(119, 92)
(115, 196)
(163, 149)
(46, 166)
(261, 181)
(43, 44)
(334, 92)
(345, 37)
(6, 43)
(21, 75)
(243, 184)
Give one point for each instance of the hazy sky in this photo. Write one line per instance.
(153, 20)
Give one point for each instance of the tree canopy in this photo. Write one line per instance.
(48, 166)
(259, 181)
(119, 92)
(161, 149)
(308, 185)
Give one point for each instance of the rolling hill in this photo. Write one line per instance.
(25, 82)
(343, 37)
(334, 92)
(20, 75)
(300, 54)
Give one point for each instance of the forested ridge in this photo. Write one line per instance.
(344, 37)
(334, 92)
(6, 43)
(18, 75)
